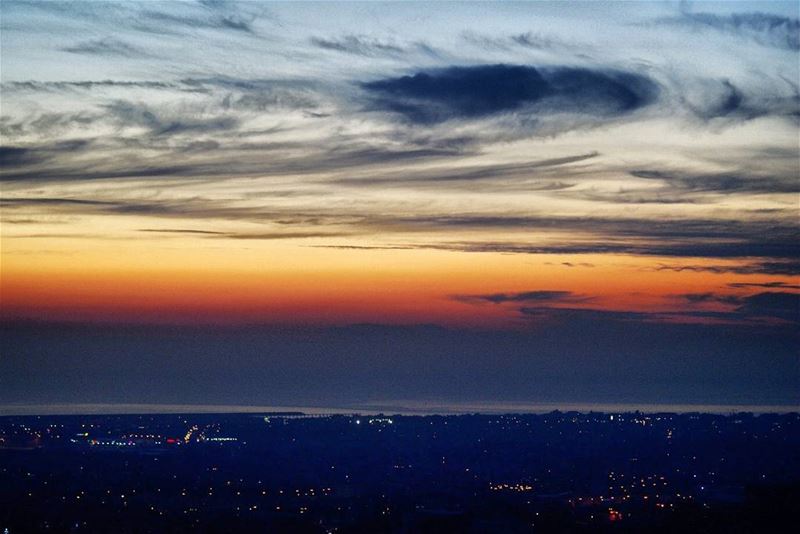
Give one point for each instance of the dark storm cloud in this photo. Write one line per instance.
(107, 46)
(477, 91)
(764, 28)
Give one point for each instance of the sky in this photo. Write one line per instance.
(254, 203)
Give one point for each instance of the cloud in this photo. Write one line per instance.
(21, 156)
(714, 238)
(722, 100)
(49, 201)
(358, 45)
(699, 298)
(578, 316)
(15, 155)
(752, 309)
(779, 305)
(180, 231)
(762, 267)
(539, 41)
(108, 46)
(702, 249)
(573, 264)
(562, 315)
(771, 285)
(161, 22)
(775, 242)
(545, 296)
(129, 113)
(764, 28)
(34, 85)
(726, 182)
(477, 91)
(470, 174)
(129, 157)
(250, 235)
(529, 40)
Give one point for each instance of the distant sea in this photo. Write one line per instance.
(393, 408)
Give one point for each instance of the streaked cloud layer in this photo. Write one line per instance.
(368, 202)
(657, 141)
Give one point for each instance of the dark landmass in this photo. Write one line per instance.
(288, 472)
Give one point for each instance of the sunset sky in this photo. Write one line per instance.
(518, 196)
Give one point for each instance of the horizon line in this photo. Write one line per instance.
(411, 409)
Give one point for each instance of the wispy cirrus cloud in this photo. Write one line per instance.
(358, 45)
(522, 136)
(726, 182)
(107, 46)
(764, 28)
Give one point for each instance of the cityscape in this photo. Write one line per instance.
(340, 267)
(292, 472)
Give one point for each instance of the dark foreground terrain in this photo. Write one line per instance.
(559, 472)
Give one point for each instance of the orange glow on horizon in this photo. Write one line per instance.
(339, 287)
